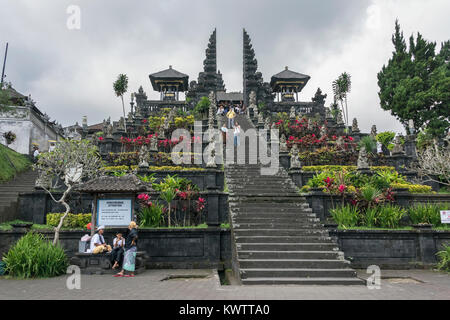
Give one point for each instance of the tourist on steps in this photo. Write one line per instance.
(237, 132)
(231, 115)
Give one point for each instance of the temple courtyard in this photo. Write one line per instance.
(204, 284)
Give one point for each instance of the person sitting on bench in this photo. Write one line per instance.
(98, 244)
(117, 252)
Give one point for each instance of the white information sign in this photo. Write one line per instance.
(114, 212)
(445, 216)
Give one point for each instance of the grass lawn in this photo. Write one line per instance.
(11, 163)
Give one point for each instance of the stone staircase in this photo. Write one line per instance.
(9, 193)
(278, 239)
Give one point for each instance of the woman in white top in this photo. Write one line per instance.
(237, 132)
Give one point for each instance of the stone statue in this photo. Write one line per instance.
(267, 124)
(340, 142)
(295, 160)
(154, 143)
(373, 131)
(211, 152)
(398, 147)
(363, 163)
(161, 132)
(292, 115)
(328, 114)
(166, 123)
(109, 131)
(355, 125)
(323, 131)
(310, 124)
(130, 117)
(260, 118)
(252, 99)
(143, 157)
(283, 144)
(138, 114)
(339, 119)
(121, 124)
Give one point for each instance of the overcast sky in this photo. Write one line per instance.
(69, 73)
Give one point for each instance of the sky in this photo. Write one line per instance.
(69, 71)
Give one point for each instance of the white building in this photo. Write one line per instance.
(28, 123)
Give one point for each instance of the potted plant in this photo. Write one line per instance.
(10, 137)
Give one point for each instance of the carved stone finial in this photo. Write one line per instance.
(373, 131)
(355, 125)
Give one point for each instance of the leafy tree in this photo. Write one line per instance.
(120, 87)
(69, 164)
(202, 106)
(415, 84)
(341, 88)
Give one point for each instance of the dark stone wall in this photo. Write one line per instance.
(391, 249)
(165, 248)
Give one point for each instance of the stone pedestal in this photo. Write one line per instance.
(285, 160)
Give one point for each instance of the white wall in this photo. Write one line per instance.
(29, 128)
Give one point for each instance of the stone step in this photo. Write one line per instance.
(297, 273)
(303, 281)
(273, 215)
(316, 255)
(287, 246)
(275, 219)
(275, 206)
(278, 226)
(293, 263)
(299, 239)
(280, 232)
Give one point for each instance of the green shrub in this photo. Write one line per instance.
(385, 138)
(413, 188)
(73, 221)
(33, 256)
(444, 259)
(389, 216)
(151, 216)
(427, 213)
(346, 216)
(370, 218)
(369, 144)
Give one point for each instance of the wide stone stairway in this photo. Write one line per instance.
(278, 239)
(10, 190)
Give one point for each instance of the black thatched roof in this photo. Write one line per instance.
(128, 183)
(229, 96)
(287, 76)
(169, 75)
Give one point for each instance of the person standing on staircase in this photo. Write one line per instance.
(231, 115)
(237, 132)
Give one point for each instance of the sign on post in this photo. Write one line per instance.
(114, 212)
(445, 216)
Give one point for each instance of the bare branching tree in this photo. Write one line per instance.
(71, 163)
(434, 164)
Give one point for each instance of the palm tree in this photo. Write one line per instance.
(341, 87)
(120, 87)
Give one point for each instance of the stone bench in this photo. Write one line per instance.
(90, 263)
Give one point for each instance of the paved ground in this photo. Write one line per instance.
(428, 285)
